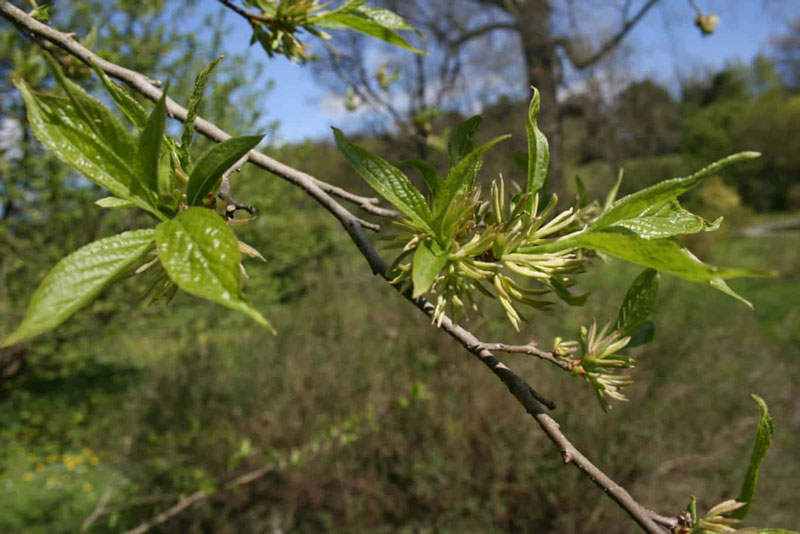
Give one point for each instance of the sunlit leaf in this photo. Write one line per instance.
(114, 202)
(634, 204)
(666, 255)
(461, 177)
(369, 22)
(78, 279)
(201, 255)
(538, 148)
(386, 179)
(386, 18)
(668, 220)
(105, 158)
(208, 170)
(429, 259)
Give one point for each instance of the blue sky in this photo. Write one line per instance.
(666, 42)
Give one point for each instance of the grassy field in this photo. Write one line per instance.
(412, 434)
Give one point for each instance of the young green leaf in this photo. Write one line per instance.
(638, 303)
(538, 149)
(114, 202)
(191, 110)
(462, 176)
(428, 172)
(78, 279)
(764, 432)
(363, 22)
(209, 168)
(667, 220)
(634, 204)
(460, 142)
(429, 259)
(386, 179)
(720, 285)
(94, 116)
(149, 149)
(665, 255)
(104, 158)
(124, 101)
(201, 255)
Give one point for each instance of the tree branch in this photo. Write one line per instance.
(528, 398)
(608, 46)
(250, 17)
(480, 31)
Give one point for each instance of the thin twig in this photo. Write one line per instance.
(98, 511)
(610, 44)
(531, 349)
(518, 387)
(251, 17)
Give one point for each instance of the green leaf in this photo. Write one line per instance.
(666, 255)
(386, 18)
(462, 176)
(428, 172)
(78, 279)
(429, 259)
(386, 179)
(362, 23)
(460, 142)
(95, 116)
(124, 101)
(200, 254)
(662, 254)
(668, 220)
(764, 432)
(772, 531)
(634, 204)
(150, 145)
(638, 303)
(101, 149)
(191, 110)
(208, 170)
(538, 149)
(114, 202)
(720, 285)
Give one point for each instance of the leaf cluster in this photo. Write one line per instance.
(517, 248)
(192, 247)
(278, 23)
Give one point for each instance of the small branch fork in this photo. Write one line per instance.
(321, 191)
